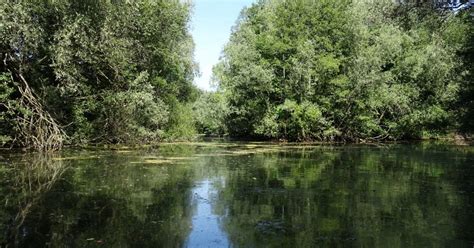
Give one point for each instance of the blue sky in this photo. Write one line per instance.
(211, 24)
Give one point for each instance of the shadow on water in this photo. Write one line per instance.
(240, 195)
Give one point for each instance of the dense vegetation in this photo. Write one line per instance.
(346, 70)
(94, 71)
(121, 72)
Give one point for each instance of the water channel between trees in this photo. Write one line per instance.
(240, 195)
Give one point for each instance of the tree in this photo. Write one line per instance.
(365, 70)
(98, 71)
(210, 111)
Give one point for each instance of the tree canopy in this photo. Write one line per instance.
(108, 71)
(121, 71)
(343, 70)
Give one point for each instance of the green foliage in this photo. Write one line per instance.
(405, 76)
(466, 101)
(133, 115)
(121, 72)
(181, 125)
(106, 71)
(299, 121)
(210, 111)
(6, 90)
(325, 70)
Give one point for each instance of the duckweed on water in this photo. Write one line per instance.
(241, 195)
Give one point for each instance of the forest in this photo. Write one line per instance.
(121, 72)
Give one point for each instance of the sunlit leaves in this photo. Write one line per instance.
(121, 65)
(373, 70)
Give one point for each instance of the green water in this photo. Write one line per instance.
(240, 195)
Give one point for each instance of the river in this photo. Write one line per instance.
(240, 195)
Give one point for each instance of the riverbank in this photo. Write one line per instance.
(449, 139)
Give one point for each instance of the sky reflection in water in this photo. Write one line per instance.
(240, 195)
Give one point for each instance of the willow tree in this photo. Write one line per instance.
(108, 71)
(341, 70)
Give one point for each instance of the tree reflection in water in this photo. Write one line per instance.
(101, 199)
(29, 181)
(240, 195)
(401, 196)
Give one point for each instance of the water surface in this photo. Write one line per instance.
(240, 195)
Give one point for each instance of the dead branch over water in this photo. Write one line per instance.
(36, 129)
